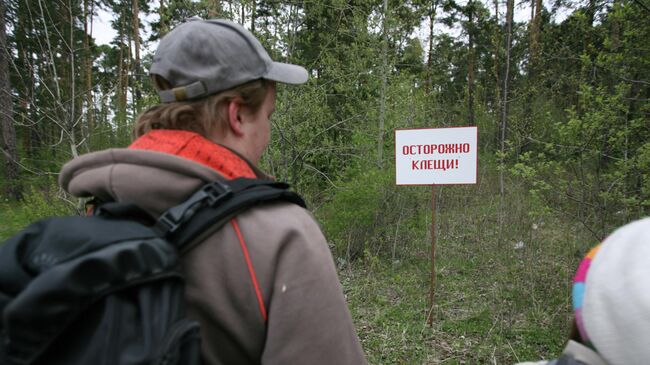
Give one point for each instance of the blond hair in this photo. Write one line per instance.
(202, 116)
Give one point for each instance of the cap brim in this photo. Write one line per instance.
(287, 73)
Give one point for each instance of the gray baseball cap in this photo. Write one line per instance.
(203, 57)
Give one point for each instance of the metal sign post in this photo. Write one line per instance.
(432, 289)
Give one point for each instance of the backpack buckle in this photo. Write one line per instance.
(209, 194)
(166, 224)
(216, 192)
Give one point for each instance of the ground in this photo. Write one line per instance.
(502, 296)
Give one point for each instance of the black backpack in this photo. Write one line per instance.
(107, 289)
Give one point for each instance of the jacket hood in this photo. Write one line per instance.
(152, 180)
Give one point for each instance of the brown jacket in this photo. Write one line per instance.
(264, 288)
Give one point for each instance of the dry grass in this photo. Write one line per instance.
(503, 290)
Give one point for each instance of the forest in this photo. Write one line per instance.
(558, 89)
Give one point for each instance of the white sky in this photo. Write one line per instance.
(104, 33)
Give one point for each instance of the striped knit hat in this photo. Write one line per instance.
(611, 296)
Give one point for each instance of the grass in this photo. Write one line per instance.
(36, 204)
(495, 302)
(9, 224)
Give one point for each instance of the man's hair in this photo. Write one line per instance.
(202, 116)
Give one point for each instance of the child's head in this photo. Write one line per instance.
(611, 295)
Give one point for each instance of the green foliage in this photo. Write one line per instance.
(369, 216)
(597, 169)
(37, 204)
(502, 294)
(351, 218)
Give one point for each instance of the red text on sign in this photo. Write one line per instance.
(429, 149)
(434, 164)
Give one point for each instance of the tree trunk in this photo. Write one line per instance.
(384, 71)
(9, 150)
(88, 24)
(506, 80)
(496, 70)
(123, 86)
(243, 14)
(137, 85)
(532, 10)
(534, 36)
(291, 34)
(470, 63)
(253, 11)
(164, 27)
(616, 26)
(75, 107)
(589, 15)
(25, 89)
(429, 80)
(214, 9)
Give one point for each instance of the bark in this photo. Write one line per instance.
(123, 84)
(137, 85)
(25, 66)
(532, 10)
(496, 70)
(429, 80)
(589, 14)
(74, 129)
(616, 26)
(88, 21)
(470, 63)
(506, 80)
(164, 27)
(9, 149)
(214, 9)
(382, 101)
(253, 11)
(535, 36)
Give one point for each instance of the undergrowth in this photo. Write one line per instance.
(37, 203)
(503, 275)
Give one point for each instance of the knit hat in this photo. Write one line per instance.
(203, 57)
(611, 296)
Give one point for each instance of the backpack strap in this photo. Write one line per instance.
(130, 211)
(216, 203)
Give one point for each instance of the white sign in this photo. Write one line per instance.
(436, 156)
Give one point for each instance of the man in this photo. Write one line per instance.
(264, 287)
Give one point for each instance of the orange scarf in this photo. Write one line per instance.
(194, 147)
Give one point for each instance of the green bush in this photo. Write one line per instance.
(369, 214)
(37, 203)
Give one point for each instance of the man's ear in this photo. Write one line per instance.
(234, 117)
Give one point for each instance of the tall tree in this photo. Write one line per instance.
(496, 69)
(88, 8)
(9, 150)
(535, 27)
(506, 83)
(137, 84)
(215, 9)
(162, 15)
(384, 75)
(432, 17)
(471, 62)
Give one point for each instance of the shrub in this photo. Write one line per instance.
(37, 203)
(370, 214)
